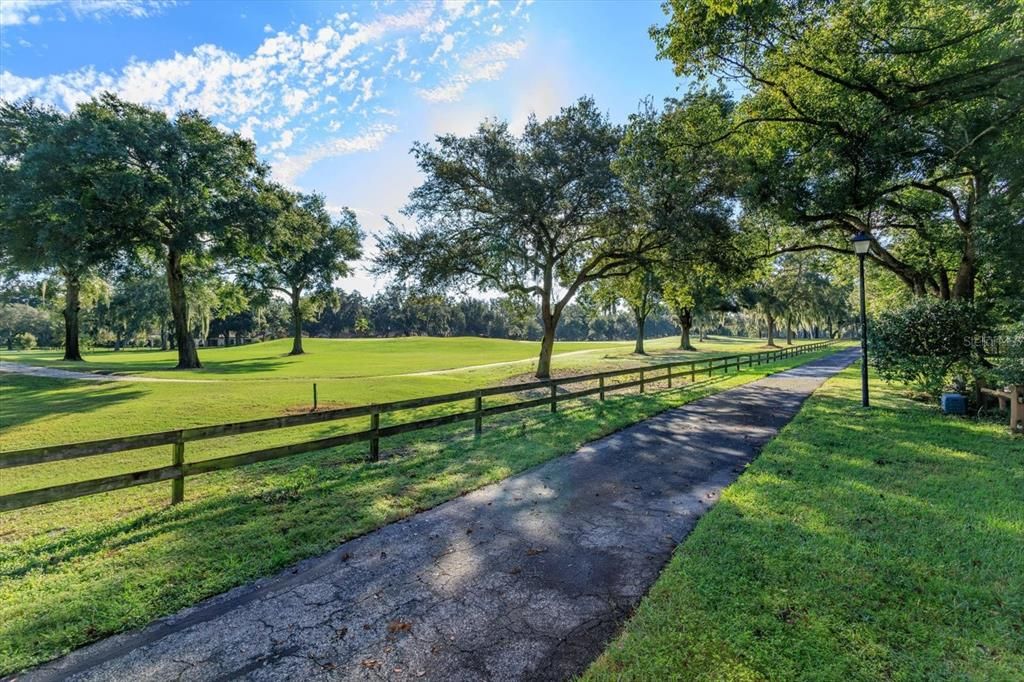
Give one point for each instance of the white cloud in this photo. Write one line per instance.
(446, 45)
(291, 167)
(17, 12)
(293, 100)
(483, 64)
(285, 141)
(455, 8)
(285, 93)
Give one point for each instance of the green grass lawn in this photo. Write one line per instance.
(860, 545)
(75, 571)
(324, 358)
(261, 380)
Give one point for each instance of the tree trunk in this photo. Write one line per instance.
(188, 358)
(638, 348)
(71, 310)
(163, 334)
(547, 345)
(789, 332)
(685, 316)
(771, 331)
(296, 323)
(944, 292)
(963, 288)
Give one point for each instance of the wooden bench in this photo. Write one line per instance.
(1013, 396)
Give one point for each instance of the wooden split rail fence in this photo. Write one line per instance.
(179, 469)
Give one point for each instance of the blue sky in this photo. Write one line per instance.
(334, 94)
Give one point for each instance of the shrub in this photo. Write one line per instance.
(25, 341)
(929, 343)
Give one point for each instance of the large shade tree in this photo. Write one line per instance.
(640, 291)
(195, 198)
(537, 215)
(858, 118)
(59, 200)
(692, 292)
(304, 252)
(681, 186)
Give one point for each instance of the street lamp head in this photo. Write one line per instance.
(861, 243)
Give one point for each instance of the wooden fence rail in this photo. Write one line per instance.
(179, 469)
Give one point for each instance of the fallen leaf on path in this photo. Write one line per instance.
(399, 626)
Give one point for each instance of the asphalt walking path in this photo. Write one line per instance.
(525, 579)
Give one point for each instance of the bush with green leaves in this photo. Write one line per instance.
(25, 341)
(929, 343)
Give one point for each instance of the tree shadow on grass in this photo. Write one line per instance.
(850, 550)
(27, 399)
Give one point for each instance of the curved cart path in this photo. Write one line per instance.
(525, 579)
(71, 375)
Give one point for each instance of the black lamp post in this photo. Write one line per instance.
(862, 245)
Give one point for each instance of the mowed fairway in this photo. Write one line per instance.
(74, 571)
(262, 380)
(324, 358)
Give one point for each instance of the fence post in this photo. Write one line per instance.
(478, 423)
(693, 372)
(178, 484)
(641, 381)
(375, 441)
(554, 397)
(600, 387)
(709, 368)
(668, 375)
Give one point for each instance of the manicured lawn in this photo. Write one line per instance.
(261, 380)
(861, 545)
(324, 358)
(75, 571)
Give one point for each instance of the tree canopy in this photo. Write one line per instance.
(303, 251)
(536, 215)
(902, 118)
(195, 190)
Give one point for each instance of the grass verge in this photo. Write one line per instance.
(75, 571)
(860, 545)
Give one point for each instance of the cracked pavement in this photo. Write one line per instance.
(525, 579)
